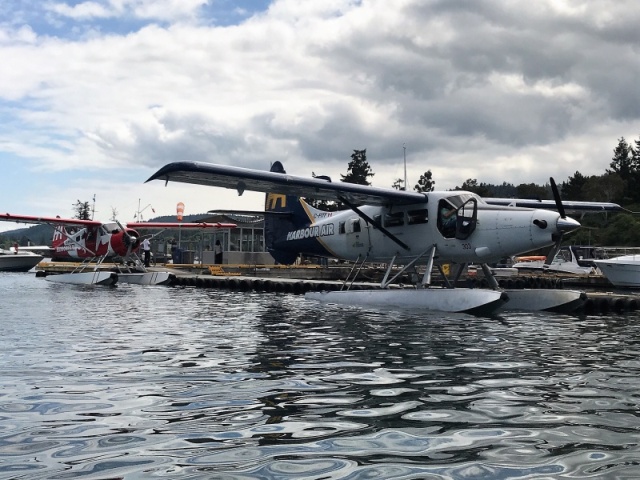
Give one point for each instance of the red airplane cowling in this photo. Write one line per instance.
(124, 243)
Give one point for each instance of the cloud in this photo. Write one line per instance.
(494, 90)
(165, 10)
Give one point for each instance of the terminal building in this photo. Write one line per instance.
(242, 245)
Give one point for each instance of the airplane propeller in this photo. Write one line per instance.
(129, 240)
(564, 224)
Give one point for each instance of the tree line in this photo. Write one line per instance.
(620, 183)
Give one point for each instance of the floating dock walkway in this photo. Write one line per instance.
(297, 280)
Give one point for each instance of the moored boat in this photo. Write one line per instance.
(622, 271)
(18, 261)
(569, 259)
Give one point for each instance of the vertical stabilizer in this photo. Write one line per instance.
(282, 214)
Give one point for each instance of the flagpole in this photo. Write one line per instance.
(404, 148)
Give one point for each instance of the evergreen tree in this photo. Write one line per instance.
(83, 210)
(572, 189)
(358, 170)
(398, 184)
(531, 190)
(625, 164)
(506, 190)
(472, 185)
(604, 188)
(425, 183)
(622, 161)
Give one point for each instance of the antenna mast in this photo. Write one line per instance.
(404, 148)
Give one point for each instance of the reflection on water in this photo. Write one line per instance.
(145, 382)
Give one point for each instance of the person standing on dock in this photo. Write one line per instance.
(218, 252)
(146, 248)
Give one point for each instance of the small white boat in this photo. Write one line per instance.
(623, 271)
(97, 277)
(566, 260)
(18, 261)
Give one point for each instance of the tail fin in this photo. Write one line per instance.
(59, 236)
(282, 214)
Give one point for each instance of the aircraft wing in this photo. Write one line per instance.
(165, 225)
(71, 222)
(241, 179)
(571, 207)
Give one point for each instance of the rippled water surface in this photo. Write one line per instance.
(145, 382)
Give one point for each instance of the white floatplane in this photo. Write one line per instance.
(395, 227)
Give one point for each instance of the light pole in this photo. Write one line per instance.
(138, 214)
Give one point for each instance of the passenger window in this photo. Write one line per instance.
(341, 227)
(355, 224)
(418, 216)
(395, 219)
(377, 219)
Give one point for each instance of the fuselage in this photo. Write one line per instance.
(107, 240)
(475, 233)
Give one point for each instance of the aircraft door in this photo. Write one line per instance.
(467, 218)
(357, 235)
(457, 221)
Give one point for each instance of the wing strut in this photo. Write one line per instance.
(426, 280)
(378, 225)
(75, 242)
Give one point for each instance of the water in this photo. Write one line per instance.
(159, 382)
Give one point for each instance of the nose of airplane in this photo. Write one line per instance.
(566, 225)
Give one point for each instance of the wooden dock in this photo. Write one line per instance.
(602, 298)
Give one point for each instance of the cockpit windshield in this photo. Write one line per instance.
(462, 198)
(111, 227)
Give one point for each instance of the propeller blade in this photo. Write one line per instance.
(553, 252)
(556, 197)
(564, 224)
(130, 240)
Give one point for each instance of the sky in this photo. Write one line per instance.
(95, 96)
